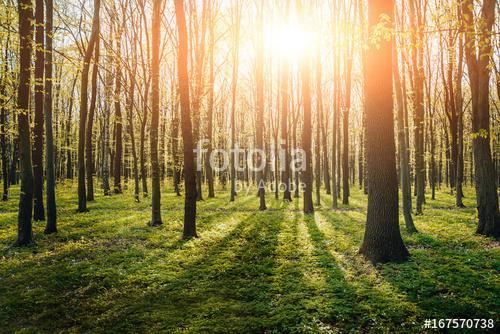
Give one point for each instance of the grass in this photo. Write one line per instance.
(249, 272)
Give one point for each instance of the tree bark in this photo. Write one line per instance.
(82, 194)
(51, 226)
(88, 142)
(404, 164)
(24, 230)
(155, 115)
(479, 75)
(259, 133)
(38, 209)
(117, 164)
(382, 240)
(186, 126)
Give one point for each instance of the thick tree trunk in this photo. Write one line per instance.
(186, 126)
(24, 230)
(479, 74)
(382, 241)
(51, 226)
(38, 209)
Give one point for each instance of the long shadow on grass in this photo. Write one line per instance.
(446, 281)
(228, 290)
(39, 286)
(343, 307)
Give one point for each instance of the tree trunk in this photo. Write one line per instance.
(345, 134)
(117, 164)
(130, 117)
(38, 209)
(404, 164)
(88, 142)
(208, 166)
(319, 116)
(285, 176)
(24, 230)
(186, 126)
(418, 81)
(82, 194)
(51, 226)
(3, 124)
(259, 133)
(155, 115)
(382, 240)
(479, 74)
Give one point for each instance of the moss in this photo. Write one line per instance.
(275, 271)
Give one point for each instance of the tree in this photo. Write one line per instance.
(51, 226)
(186, 126)
(3, 122)
(39, 211)
(404, 164)
(82, 195)
(24, 231)
(117, 164)
(382, 240)
(259, 131)
(155, 114)
(418, 100)
(477, 55)
(90, 124)
(307, 130)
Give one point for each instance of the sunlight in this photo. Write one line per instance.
(288, 41)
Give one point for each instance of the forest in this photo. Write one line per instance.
(249, 166)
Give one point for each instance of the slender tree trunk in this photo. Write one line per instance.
(117, 164)
(418, 81)
(3, 123)
(460, 128)
(24, 230)
(82, 194)
(335, 125)
(88, 142)
(155, 114)
(186, 126)
(51, 226)
(259, 140)
(130, 115)
(404, 164)
(234, 87)
(319, 116)
(382, 240)
(208, 166)
(285, 176)
(38, 209)
(345, 134)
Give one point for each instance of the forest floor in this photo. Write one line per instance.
(276, 271)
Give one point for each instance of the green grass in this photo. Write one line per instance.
(249, 272)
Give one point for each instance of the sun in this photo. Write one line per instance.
(288, 41)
